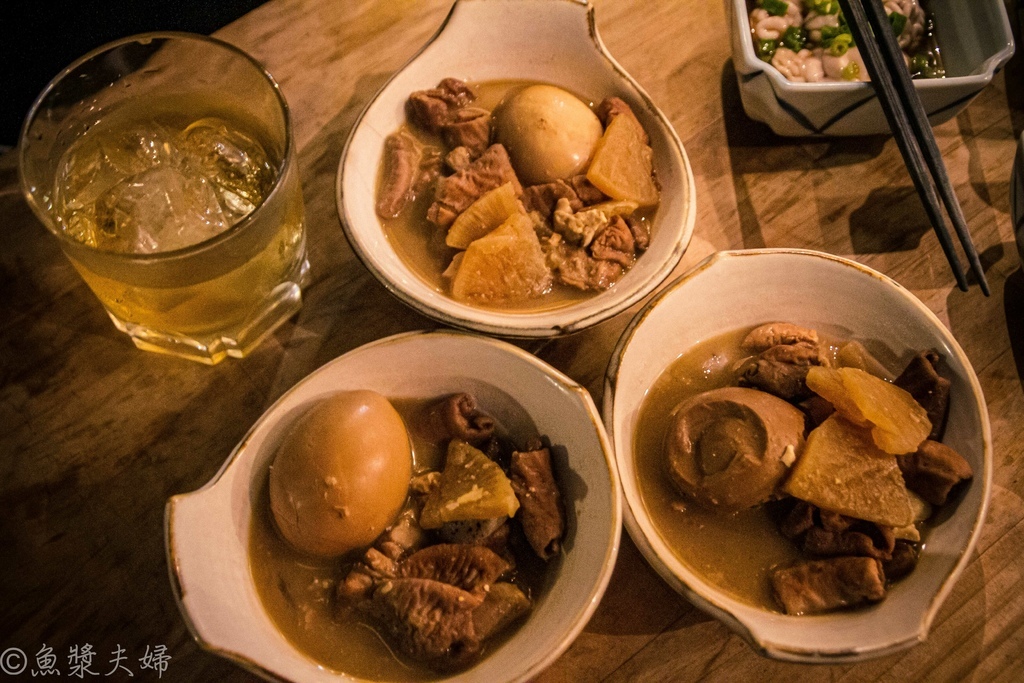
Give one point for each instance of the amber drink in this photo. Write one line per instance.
(164, 164)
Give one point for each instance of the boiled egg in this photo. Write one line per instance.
(341, 475)
(549, 133)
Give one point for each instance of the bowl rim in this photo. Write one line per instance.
(709, 599)
(753, 65)
(572, 317)
(241, 451)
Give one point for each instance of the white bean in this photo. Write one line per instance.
(771, 28)
(815, 63)
(834, 65)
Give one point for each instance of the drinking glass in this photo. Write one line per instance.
(164, 163)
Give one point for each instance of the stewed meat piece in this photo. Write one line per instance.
(641, 233)
(782, 370)
(823, 585)
(542, 198)
(503, 604)
(429, 620)
(455, 417)
(540, 501)
(472, 568)
(431, 109)
(439, 603)
(458, 159)
(826, 533)
(934, 470)
(469, 127)
(456, 192)
(403, 537)
(922, 381)
(784, 354)
(615, 243)
(579, 191)
(903, 560)
(768, 335)
(577, 268)
(402, 156)
(444, 110)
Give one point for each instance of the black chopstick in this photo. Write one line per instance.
(883, 57)
(893, 55)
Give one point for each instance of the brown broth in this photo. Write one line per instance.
(421, 245)
(297, 590)
(734, 552)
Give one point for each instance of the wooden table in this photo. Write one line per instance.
(96, 435)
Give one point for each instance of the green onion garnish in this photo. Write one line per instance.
(795, 38)
(766, 49)
(824, 6)
(840, 44)
(898, 21)
(776, 8)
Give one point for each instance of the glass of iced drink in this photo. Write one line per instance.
(165, 165)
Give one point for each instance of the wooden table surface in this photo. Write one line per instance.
(95, 435)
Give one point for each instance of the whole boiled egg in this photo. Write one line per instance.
(341, 475)
(549, 133)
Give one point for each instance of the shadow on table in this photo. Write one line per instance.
(892, 219)
(754, 148)
(1013, 306)
(344, 306)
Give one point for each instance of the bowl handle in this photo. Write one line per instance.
(513, 24)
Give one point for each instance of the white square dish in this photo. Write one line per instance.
(975, 39)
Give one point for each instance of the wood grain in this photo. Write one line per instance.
(96, 435)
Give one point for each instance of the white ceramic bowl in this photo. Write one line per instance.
(975, 39)
(551, 41)
(208, 530)
(733, 290)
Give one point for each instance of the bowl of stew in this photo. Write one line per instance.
(800, 73)
(285, 572)
(762, 476)
(488, 185)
